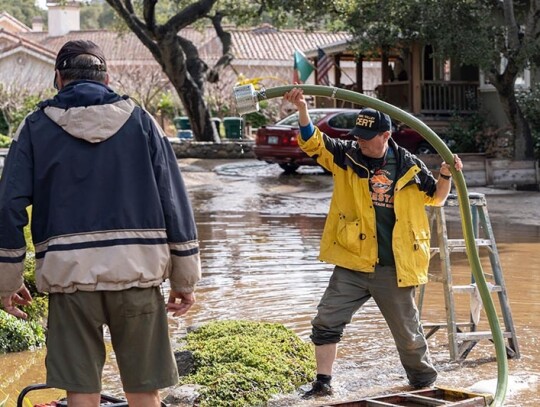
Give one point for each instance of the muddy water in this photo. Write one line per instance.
(259, 234)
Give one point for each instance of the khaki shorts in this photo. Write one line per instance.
(137, 322)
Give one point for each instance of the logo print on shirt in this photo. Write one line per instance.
(380, 185)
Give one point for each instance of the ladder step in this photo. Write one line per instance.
(475, 199)
(424, 401)
(479, 335)
(461, 242)
(428, 325)
(375, 403)
(464, 289)
(465, 332)
(458, 245)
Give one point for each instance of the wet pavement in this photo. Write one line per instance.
(259, 231)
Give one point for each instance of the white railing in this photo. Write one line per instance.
(449, 97)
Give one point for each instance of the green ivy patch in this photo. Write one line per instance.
(241, 363)
(17, 335)
(5, 141)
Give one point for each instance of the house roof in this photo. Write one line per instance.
(10, 23)
(264, 46)
(266, 43)
(336, 47)
(11, 43)
(118, 48)
(261, 45)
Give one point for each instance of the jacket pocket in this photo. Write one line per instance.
(350, 235)
(421, 245)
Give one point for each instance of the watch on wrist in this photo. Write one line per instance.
(446, 177)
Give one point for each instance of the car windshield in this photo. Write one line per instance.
(343, 120)
(292, 120)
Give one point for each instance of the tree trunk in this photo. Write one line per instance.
(505, 85)
(199, 117)
(182, 65)
(523, 141)
(177, 56)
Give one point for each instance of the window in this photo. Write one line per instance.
(343, 121)
(523, 80)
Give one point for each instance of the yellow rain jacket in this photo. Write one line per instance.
(350, 236)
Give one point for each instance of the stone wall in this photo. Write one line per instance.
(204, 149)
(241, 148)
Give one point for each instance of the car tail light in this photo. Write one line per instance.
(294, 140)
(285, 140)
(289, 140)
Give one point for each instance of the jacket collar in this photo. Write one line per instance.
(358, 163)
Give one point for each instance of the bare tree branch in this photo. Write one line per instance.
(532, 24)
(177, 56)
(125, 10)
(149, 14)
(189, 15)
(512, 27)
(226, 41)
(129, 7)
(194, 65)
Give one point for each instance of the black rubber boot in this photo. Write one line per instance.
(318, 389)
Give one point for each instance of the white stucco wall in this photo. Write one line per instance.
(22, 71)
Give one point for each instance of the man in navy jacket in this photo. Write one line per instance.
(111, 221)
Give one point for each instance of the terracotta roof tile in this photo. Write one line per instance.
(117, 48)
(263, 43)
(15, 40)
(278, 45)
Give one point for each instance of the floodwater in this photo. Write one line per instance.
(259, 234)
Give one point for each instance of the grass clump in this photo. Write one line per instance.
(241, 363)
(17, 335)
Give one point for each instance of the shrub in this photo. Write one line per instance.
(257, 119)
(5, 141)
(466, 133)
(29, 103)
(17, 335)
(242, 363)
(529, 102)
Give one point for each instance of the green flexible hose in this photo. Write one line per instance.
(464, 206)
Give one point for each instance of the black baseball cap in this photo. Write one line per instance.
(71, 49)
(369, 123)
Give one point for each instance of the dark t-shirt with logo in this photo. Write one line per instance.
(382, 176)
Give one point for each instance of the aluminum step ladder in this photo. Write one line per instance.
(421, 398)
(463, 336)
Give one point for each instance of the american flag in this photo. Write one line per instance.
(324, 63)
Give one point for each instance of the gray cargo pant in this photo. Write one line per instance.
(348, 290)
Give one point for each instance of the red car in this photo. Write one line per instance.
(277, 144)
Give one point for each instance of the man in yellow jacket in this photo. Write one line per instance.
(376, 234)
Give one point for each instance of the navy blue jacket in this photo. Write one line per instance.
(109, 206)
